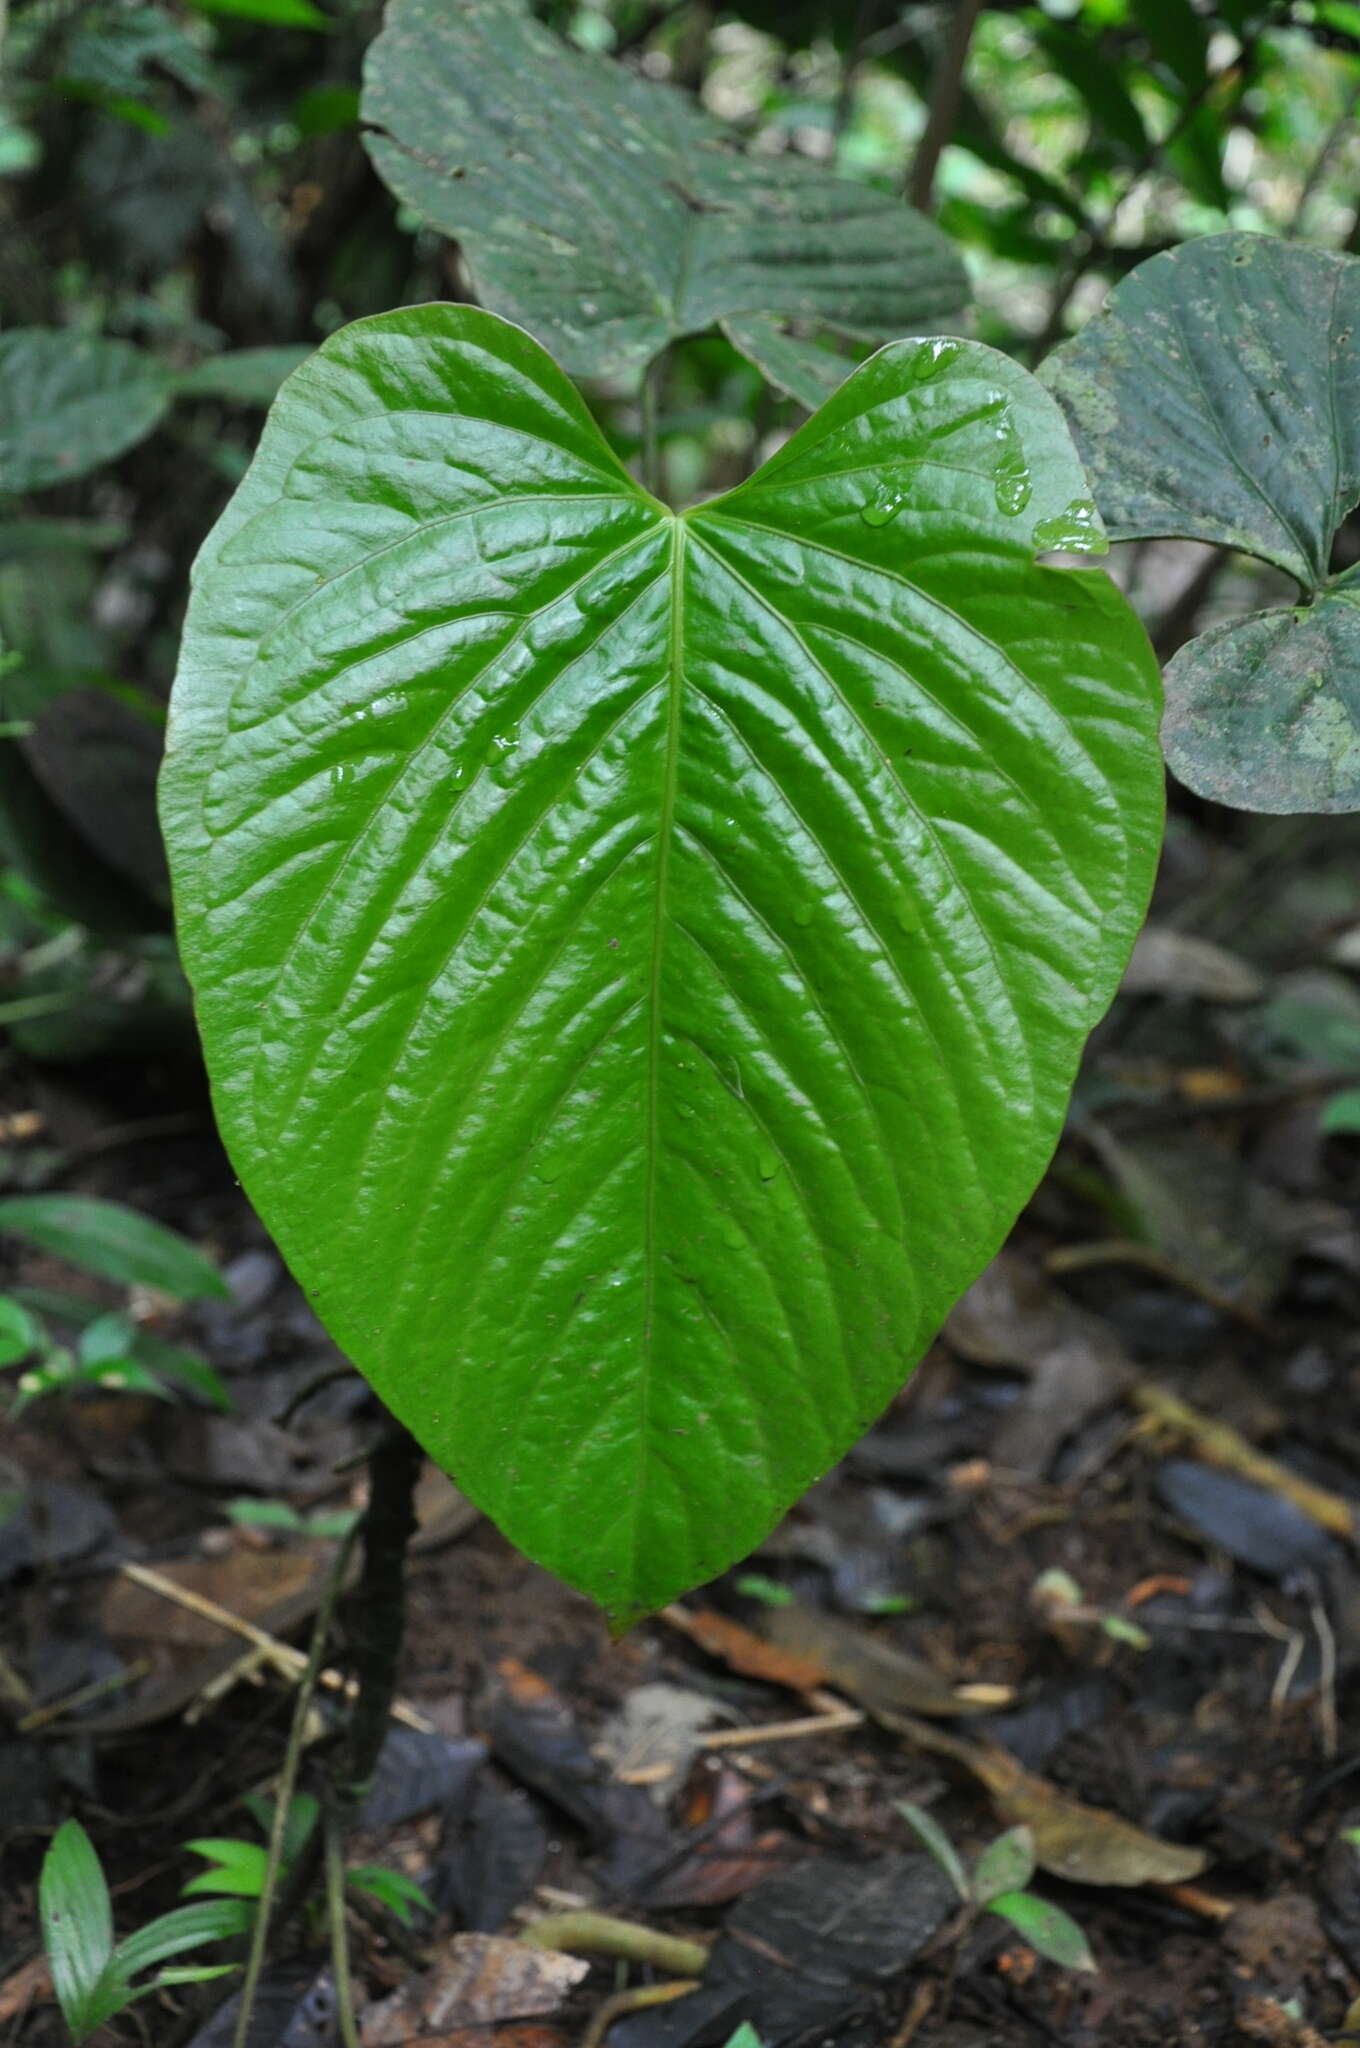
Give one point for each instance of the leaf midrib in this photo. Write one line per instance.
(675, 646)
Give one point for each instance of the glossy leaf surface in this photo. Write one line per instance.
(607, 214)
(69, 402)
(642, 958)
(1217, 397)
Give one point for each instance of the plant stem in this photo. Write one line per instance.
(653, 478)
(376, 1609)
(946, 88)
(335, 1913)
(316, 1654)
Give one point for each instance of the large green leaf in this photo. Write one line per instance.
(1217, 397)
(608, 215)
(69, 402)
(642, 958)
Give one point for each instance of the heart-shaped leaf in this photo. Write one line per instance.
(1217, 398)
(69, 402)
(609, 215)
(643, 957)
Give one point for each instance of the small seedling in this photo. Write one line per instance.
(999, 1883)
(91, 1972)
(279, 1516)
(111, 1352)
(237, 1868)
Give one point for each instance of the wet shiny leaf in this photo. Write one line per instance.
(643, 958)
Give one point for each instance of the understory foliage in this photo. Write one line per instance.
(651, 824)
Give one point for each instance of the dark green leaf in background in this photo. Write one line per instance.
(242, 376)
(116, 1242)
(608, 215)
(1217, 397)
(642, 958)
(69, 402)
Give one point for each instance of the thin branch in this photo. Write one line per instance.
(335, 1913)
(946, 89)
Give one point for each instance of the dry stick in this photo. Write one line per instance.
(1218, 1444)
(784, 1731)
(297, 1734)
(946, 88)
(1131, 1251)
(287, 1661)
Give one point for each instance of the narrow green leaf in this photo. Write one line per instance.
(643, 959)
(1049, 1931)
(1005, 1865)
(69, 402)
(185, 1928)
(1217, 398)
(119, 1243)
(238, 1868)
(401, 1895)
(77, 1924)
(938, 1843)
(634, 219)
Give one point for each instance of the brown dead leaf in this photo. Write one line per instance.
(1084, 1844)
(29, 1985)
(742, 1651)
(246, 1582)
(479, 1980)
(731, 1858)
(873, 1671)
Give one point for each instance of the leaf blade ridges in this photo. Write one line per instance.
(642, 958)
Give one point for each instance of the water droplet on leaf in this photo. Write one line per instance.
(1010, 478)
(932, 357)
(885, 504)
(1076, 529)
(907, 913)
